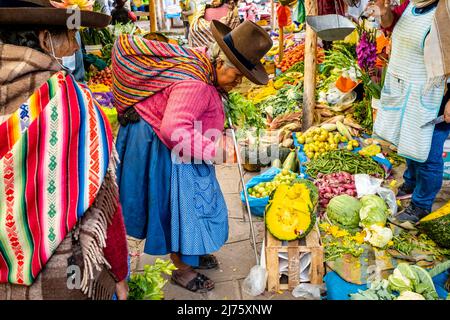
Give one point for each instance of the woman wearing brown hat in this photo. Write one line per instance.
(170, 102)
(61, 228)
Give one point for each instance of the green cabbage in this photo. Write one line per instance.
(344, 211)
(423, 283)
(413, 278)
(402, 278)
(373, 211)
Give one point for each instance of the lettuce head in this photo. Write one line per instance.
(373, 211)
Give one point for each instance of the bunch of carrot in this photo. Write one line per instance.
(296, 54)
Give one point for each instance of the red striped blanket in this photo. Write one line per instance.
(54, 155)
(143, 67)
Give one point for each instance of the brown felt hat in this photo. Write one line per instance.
(245, 46)
(42, 13)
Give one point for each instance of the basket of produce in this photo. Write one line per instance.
(260, 187)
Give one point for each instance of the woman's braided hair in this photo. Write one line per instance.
(26, 36)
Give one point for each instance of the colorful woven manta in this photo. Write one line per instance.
(54, 154)
(143, 67)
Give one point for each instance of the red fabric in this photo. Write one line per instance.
(216, 13)
(116, 251)
(329, 7)
(397, 11)
(132, 16)
(284, 16)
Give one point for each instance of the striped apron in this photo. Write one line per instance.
(405, 105)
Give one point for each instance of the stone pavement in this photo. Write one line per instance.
(237, 256)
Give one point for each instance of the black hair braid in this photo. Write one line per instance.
(28, 39)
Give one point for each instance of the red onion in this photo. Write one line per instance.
(349, 192)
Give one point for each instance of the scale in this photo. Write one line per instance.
(331, 27)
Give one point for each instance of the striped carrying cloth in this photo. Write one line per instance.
(143, 67)
(200, 34)
(54, 155)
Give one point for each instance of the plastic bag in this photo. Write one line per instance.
(300, 12)
(255, 283)
(366, 184)
(308, 291)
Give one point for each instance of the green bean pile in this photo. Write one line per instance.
(343, 161)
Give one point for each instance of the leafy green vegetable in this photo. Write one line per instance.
(402, 278)
(378, 290)
(406, 242)
(411, 281)
(344, 211)
(288, 99)
(423, 284)
(298, 67)
(149, 285)
(243, 112)
(373, 211)
(363, 114)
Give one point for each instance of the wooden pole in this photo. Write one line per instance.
(273, 15)
(281, 45)
(309, 92)
(152, 10)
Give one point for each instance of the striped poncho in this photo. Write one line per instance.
(143, 67)
(54, 155)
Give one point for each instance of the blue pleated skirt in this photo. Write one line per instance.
(177, 208)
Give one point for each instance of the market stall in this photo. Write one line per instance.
(329, 198)
(325, 188)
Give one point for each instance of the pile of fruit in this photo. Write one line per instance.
(102, 77)
(320, 140)
(264, 189)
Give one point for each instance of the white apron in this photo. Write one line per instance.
(404, 104)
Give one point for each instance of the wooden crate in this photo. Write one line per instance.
(311, 244)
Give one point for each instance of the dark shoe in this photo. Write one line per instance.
(207, 262)
(404, 192)
(191, 280)
(412, 213)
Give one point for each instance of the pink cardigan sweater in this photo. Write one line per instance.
(191, 108)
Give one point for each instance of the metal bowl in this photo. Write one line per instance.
(331, 27)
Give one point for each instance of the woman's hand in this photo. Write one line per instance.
(447, 112)
(122, 290)
(225, 150)
(382, 10)
(384, 6)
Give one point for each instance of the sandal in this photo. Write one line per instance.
(208, 261)
(199, 283)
